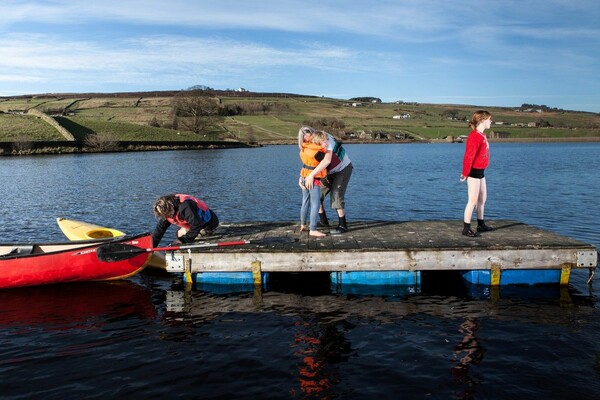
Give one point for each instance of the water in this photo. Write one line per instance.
(147, 338)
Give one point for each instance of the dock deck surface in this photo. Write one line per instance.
(387, 246)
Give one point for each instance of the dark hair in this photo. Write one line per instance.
(164, 206)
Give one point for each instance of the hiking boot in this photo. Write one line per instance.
(339, 230)
(469, 232)
(484, 228)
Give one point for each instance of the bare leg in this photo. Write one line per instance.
(474, 187)
(481, 199)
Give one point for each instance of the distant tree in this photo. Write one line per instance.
(22, 144)
(331, 125)
(101, 141)
(196, 111)
(450, 114)
(367, 99)
(154, 122)
(542, 123)
(199, 87)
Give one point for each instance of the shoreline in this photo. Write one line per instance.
(48, 148)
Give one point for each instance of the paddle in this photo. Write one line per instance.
(121, 251)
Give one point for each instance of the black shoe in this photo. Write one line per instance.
(323, 224)
(484, 228)
(469, 232)
(339, 230)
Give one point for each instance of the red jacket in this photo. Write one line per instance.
(477, 152)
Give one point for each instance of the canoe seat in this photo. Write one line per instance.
(21, 251)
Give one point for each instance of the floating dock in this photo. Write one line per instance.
(386, 252)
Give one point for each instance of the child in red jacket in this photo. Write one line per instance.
(475, 161)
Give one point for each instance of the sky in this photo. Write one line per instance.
(486, 53)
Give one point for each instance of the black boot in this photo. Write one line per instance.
(323, 221)
(342, 227)
(482, 227)
(467, 231)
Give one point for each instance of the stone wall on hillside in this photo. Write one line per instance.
(48, 119)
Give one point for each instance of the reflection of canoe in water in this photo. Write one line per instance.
(79, 230)
(75, 305)
(30, 264)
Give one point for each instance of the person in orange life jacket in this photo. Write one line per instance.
(192, 215)
(339, 169)
(311, 154)
(475, 161)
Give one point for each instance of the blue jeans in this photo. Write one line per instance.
(310, 200)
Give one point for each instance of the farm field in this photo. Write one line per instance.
(275, 118)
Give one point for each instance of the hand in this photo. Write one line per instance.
(463, 178)
(309, 182)
(301, 183)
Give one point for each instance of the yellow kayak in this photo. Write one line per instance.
(79, 230)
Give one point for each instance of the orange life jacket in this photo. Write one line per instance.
(308, 155)
(202, 208)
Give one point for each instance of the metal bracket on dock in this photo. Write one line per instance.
(175, 263)
(587, 258)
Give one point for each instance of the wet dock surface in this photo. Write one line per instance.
(389, 245)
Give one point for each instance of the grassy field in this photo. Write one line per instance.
(275, 119)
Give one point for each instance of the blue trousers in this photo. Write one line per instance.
(310, 202)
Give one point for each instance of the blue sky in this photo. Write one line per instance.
(488, 53)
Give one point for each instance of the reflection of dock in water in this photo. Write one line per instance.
(324, 335)
(383, 252)
(551, 306)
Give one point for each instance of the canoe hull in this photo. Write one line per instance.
(68, 262)
(80, 230)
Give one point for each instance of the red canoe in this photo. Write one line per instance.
(45, 263)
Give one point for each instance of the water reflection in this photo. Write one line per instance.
(74, 306)
(468, 352)
(319, 347)
(547, 306)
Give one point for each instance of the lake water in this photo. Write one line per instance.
(103, 340)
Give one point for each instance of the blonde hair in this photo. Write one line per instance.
(319, 137)
(302, 131)
(164, 206)
(478, 117)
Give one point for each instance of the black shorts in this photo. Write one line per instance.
(477, 173)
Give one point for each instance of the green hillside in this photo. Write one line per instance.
(274, 118)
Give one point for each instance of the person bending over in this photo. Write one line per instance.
(192, 215)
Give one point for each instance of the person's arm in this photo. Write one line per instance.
(309, 180)
(188, 211)
(469, 157)
(159, 231)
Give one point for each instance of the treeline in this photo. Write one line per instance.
(534, 107)
(366, 99)
(230, 110)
